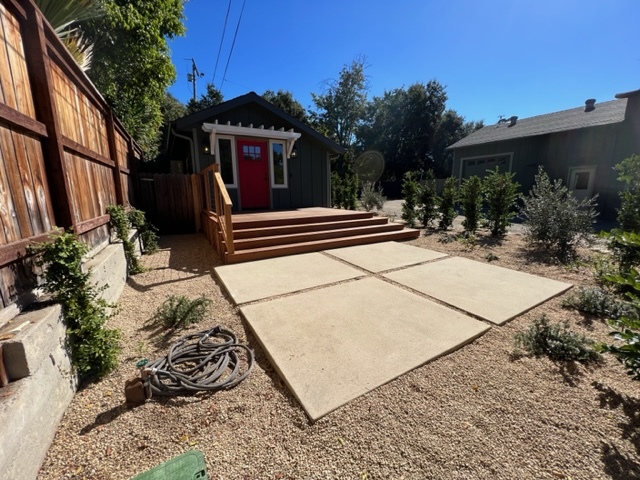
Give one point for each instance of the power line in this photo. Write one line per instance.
(224, 29)
(224, 75)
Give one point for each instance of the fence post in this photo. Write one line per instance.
(44, 101)
(111, 137)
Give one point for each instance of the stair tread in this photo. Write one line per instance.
(308, 227)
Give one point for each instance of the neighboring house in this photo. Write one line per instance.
(268, 159)
(579, 146)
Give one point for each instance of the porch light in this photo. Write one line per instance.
(206, 149)
(294, 152)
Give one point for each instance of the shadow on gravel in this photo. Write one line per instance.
(617, 465)
(612, 400)
(104, 418)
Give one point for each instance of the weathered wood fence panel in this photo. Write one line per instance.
(63, 156)
(168, 201)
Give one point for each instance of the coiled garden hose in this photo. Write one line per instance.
(205, 361)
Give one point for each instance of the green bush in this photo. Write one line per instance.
(447, 203)
(428, 200)
(180, 311)
(372, 197)
(629, 211)
(344, 190)
(120, 222)
(596, 301)
(555, 341)
(93, 348)
(554, 218)
(501, 195)
(148, 233)
(470, 197)
(337, 191)
(411, 196)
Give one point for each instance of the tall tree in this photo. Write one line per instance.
(284, 100)
(402, 124)
(452, 128)
(131, 63)
(171, 108)
(342, 106)
(211, 98)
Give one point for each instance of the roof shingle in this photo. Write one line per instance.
(605, 113)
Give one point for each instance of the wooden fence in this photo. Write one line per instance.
(63, 155)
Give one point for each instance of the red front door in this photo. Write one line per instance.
(253, 165)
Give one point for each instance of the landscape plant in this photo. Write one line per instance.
(180, 311)
(372, 197)
(556, 341)
(629, 212)
(597, 301)
(428, 199)
(470, 197)
(554, 218)
(121, 224)
(501, 195)
(148, 233)
(411, 197)
(447, 203)
(93, 348)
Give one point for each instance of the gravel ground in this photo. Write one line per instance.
(482, 412)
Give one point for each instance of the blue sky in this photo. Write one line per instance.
(495, 57)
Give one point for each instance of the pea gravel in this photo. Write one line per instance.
(483, 412)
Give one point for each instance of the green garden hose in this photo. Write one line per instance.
(205, 361)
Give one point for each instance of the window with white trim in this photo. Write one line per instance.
(278, 160)
(225, 157)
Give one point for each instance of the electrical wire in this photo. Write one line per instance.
(224, 29)
(224, 75)
(208, 361)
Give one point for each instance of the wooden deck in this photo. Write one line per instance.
(277, 233)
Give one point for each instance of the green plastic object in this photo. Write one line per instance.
(188, 466)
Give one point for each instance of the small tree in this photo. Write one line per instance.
(371, 197)
(501, 194)
(447, 203)
(471, 203)
(337, 191)
(555, 218)
(411, 195)
(629, 211)
(428, 200)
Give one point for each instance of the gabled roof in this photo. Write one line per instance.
(604, 113)
(196, 119)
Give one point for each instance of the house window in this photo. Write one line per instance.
(278, 165)
(225, 158)
(480, 166)
(251, 152)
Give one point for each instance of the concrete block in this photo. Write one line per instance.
(109, 267)
(42, 331)
(30, 410)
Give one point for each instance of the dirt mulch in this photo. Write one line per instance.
(482, 412)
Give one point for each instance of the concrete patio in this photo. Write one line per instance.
(338, 324)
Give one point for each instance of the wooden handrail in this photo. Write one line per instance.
(223, 234)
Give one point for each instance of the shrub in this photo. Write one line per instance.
(471, 203)
(447, 203)
(180, 312)
(350, 185)
(120, 222)
(337, 191)
(596, 301)
(371, 197)
(428, 200)
(148, 233)
(556, 219)
(555, 341)
(94, 349)
(411, 195)
(629, 211)
(501, 194)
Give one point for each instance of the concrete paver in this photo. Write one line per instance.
(493, 293)
(379, 257)
(247, 282)
(334, 344)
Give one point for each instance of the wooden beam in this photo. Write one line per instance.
(17, 250)
(92, 224)
(15, 8)
(197, 200)
(20, 120)
(4, 379)
(85, 152)
(44, 102)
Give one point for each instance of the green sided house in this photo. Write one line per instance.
(267, 158)
(266, 183)
(579, 146)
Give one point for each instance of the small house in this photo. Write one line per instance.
(580, 146)
(267, 158)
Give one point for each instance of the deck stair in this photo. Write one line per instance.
(279, 233)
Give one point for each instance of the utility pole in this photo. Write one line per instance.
(193, 76)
